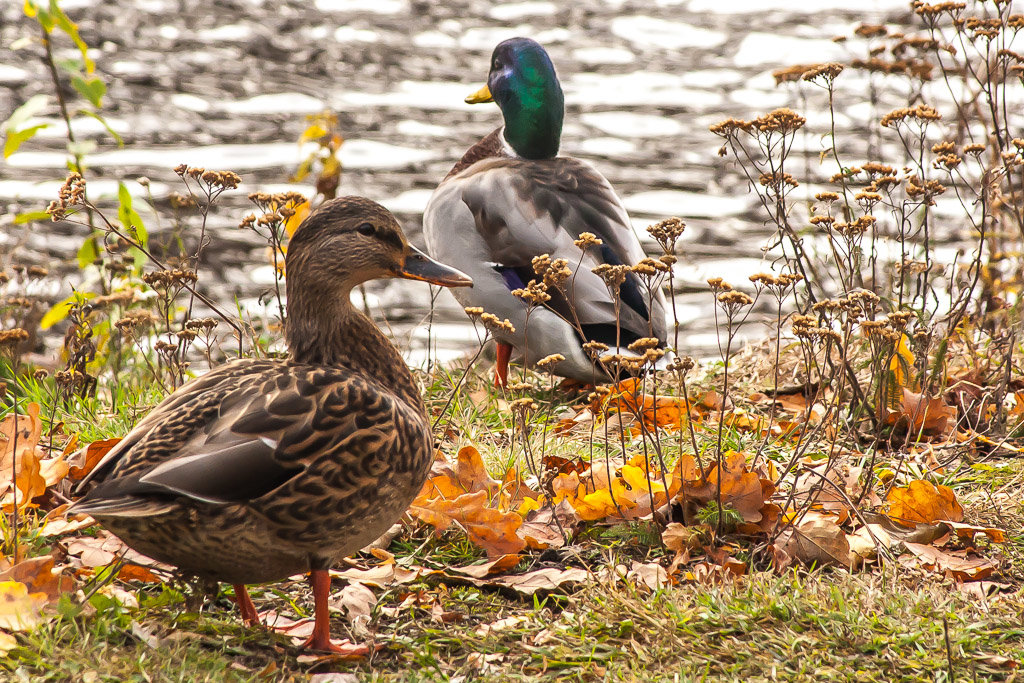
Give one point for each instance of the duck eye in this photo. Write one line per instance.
(366, 229)
(496, 65)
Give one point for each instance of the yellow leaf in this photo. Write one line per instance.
(313, 132)
(902, 363)
(295, 220)
(19, 609)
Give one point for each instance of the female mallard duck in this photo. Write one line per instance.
(262, 468)
(511, 198)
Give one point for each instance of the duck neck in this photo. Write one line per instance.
(330, 331)
(533, 119)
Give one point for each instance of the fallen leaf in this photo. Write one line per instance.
(501, 625)
(383, 576)
(499, 565)
(40, 577)
(27, 428)
(649, 574)
(87, 458)
(538, 581)
(491, 529)
(548, 527)
(920, 415)
(923, 501)
(817, 540)
(953, 564)
(7, 643)
(471, 473)
(19, 609)
(356, 601)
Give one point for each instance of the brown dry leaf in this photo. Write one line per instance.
(28, 483)
(923, 501)
(29, 428)
(953, 564)
(496, 566)
(679, 538)
(967, 532)
(19, 609)
(501, 625)
(541, 580)
(87, 458)
(919, 414)
(57, 524)
(355, 601)
(741, 489)
(134, 572)
(40, 577)
(563, 465)
(627, 402)
(649, 574)
(548, 527)
(817, 539)
(383, 576)
(864, 541)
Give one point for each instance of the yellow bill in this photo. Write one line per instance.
(480, 96)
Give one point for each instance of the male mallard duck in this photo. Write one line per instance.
(262, 468)
(512, 198)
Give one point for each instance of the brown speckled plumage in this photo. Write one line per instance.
(261, 469)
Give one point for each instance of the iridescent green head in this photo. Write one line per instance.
(523, 83)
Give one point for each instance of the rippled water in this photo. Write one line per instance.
(226, 84)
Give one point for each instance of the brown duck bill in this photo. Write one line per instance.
(419, 266)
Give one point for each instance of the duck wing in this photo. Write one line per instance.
(502, 212)
(231, 436)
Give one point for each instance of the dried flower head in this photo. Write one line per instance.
(9, 339)
(718, 284)
(594, 348)
(551, 360)
(613, 276)
(923, 113)
(534, 293)
(734, 299)
(492, 321)
(643, 344)
(667, 232)
(588, 239)
(71, 193)
(824, 72)
(782, 121)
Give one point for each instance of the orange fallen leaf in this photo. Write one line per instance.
(40, 577)
(491, 529)
(923, 501)
(741, 489)
(94, 452)
(919, 414)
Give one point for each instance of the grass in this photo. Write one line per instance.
(883, 623)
